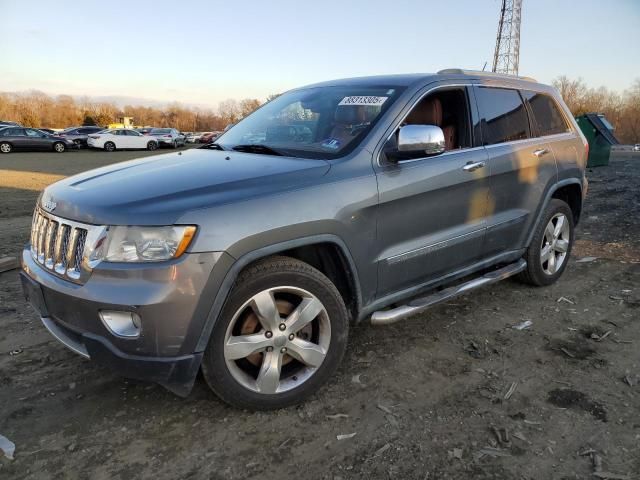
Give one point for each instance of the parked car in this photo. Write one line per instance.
(79, 135)
(121, 139)
(168, 137)
(144, 130)
(194, 137)
(636, 147)
(20, 138)
(7, 123)
(249, 261)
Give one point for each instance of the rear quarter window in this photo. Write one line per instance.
(503, 115)
(547, 117)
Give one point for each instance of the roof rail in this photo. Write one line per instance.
(460, 71)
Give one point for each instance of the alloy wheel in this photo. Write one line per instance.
(5, 148)
(555, 244)
(277, 340)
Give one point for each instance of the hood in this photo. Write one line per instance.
(158, 190)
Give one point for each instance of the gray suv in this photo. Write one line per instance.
(351, 200)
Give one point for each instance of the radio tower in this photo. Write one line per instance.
(507, 55)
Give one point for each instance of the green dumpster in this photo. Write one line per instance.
(599, 133)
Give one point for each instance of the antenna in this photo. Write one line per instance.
(506, 57)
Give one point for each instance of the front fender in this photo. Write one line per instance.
(263, 252)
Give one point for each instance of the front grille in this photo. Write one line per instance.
(59, 245)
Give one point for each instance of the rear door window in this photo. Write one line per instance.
(503, 115)
(14, 132)
(547, 117)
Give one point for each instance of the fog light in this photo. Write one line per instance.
(121, 324)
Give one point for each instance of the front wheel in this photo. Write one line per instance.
(175, 144)
(152, 146)
(109, 146)
(281, 334)
(59, 147)
(548, 254)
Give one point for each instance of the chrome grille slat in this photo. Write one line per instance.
(41, 238)
(48, 243)
(59, 245)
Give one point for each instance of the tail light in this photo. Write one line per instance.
(586, 151)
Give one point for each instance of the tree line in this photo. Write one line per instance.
(37, 109)
(621, 109)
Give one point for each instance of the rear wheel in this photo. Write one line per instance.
(59, 147)
(109, 146)
(152, 146)
(548, 254)
(5, 147)
(175, 144)
(281, 335)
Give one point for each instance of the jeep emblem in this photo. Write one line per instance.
(49, 205)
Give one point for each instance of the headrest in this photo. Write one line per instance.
(428, 112)
(350, 114)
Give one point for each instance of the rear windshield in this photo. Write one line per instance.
(161, 130)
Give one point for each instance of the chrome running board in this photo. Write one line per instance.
(418, 305)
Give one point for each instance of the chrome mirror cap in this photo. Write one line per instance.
(424, 138)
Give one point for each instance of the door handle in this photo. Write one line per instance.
(540, 152)
(471, 166)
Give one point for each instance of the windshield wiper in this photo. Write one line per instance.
(256, 148)
(212, 146)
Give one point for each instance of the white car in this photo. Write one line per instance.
(121, 138)
(194, 137)
(636, 147)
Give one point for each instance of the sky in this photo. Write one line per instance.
(202, 52)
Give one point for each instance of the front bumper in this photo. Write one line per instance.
(172, 300)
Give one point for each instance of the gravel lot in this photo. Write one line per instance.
(454, 393)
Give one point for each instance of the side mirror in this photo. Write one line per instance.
(423, 139)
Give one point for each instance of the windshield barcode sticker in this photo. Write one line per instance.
(363, 100)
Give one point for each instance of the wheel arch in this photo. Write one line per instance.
(566, 188)
(318, 249)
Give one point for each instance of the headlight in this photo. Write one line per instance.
(141, 244)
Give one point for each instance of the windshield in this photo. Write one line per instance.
(320, 122)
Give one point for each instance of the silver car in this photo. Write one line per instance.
(168, 137)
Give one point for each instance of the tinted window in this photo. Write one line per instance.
(546, 115)
(14, 132)
(33, 133)
(504, 118)
(132, 133)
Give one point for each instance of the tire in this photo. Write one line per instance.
(152, 146)
(5, 147)
(553, 241)
(109, 146)
(59, 147)
(175, 144)
(238, 378)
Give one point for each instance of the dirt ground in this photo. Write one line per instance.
(453, 394)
